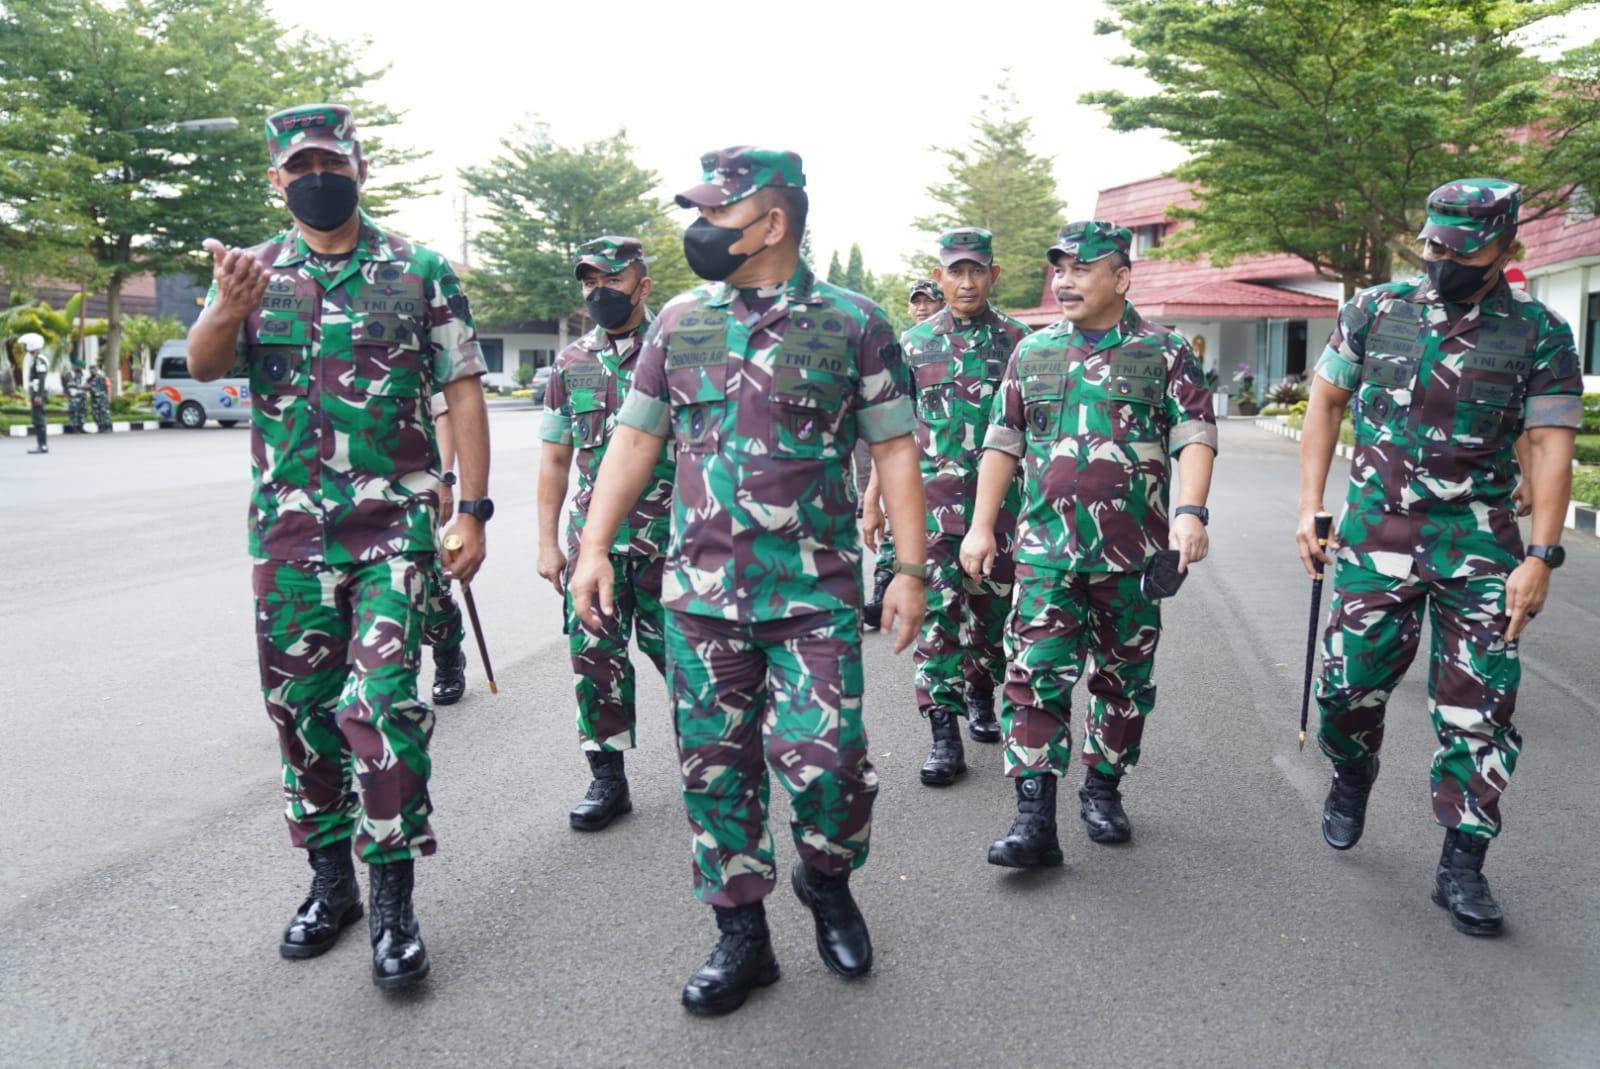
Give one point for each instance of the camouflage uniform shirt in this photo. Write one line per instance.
(764, 393)
(343, 358)
(1441, 393)
(1095, 425)
(581, 404)
(956, 365)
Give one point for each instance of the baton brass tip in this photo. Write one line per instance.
(496, 690)
(1302, 737)
(452, 542)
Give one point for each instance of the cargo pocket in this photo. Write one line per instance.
(807, 406)
(280, 363)
(1042, 399)
(699, 399)
(590, 423)
(936, 390)
(1487, 408)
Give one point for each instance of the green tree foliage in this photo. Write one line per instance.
(544, 200)
(835, 274)
(1318, 127)
(92, 93)
(142, 337)
(996, 181)
(855, 275)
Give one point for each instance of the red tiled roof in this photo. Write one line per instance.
(1142, 203)
(1554, 239)
(1207, 300)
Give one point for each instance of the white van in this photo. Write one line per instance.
(182, 399)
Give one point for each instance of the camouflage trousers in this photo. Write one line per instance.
(442, 626)
(783, 695)
(100, 402)
(1374, 630)
(77, 408)
(339, 649)
(607, 715)
(963, 633)
(1061, 619)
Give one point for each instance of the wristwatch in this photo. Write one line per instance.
(905, 567)
(481, 508)
(448, 478)
(1554, 556)
(1200, 512)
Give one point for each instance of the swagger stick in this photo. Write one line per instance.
(1324, 527)
(453, 543)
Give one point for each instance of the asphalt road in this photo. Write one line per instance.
(145, 873)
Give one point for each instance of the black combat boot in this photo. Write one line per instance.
(608, 796)
(1100, 806)
(981, 722)
(741, 961)
(449, 675)
(1344, 814)
(1031, 843)
(334, 902)
(947, 759)
(842, 937)
(398, 956)
(1460, 887)
(872, 612)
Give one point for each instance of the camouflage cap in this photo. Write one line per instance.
(734, 173)
(1089, 240)
(608, 255)
(966, 243)
(927, 287)
(1467, 214)
(330, 127)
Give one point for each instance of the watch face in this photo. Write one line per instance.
(1555, 556)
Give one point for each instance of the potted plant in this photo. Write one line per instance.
(1245, 376)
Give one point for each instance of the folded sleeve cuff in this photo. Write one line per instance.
(555, 429)
(891, 419)
(1554, 410)
(1343, 373)
(1005, 439)
(645, 413)
(1191, 432)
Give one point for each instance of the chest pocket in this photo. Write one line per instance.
(1042, 400)
(935, 386)
(389, 319)
(1136, 383)
(697, 380)
(1394, 349)
(808, 406)
(588, 388)
(280, 361)
(1494, 378)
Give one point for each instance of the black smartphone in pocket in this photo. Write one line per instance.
(1161, 577)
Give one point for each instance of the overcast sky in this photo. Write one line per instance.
(861, 90)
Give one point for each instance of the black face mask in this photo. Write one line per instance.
(706, 245)
(1456, 282)
(609, 308)
(323, 201)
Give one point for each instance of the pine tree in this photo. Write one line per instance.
(996, 182)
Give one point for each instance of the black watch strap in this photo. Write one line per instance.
(1199, 512)
(480, 507)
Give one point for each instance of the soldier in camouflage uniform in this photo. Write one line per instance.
(923, 300)
(77, 398)
(956, 357)
(589, 381)
(443, 629)
(347, 331)
(99, 397)
(763, 380)
(1092, 406)
(1446, 373)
